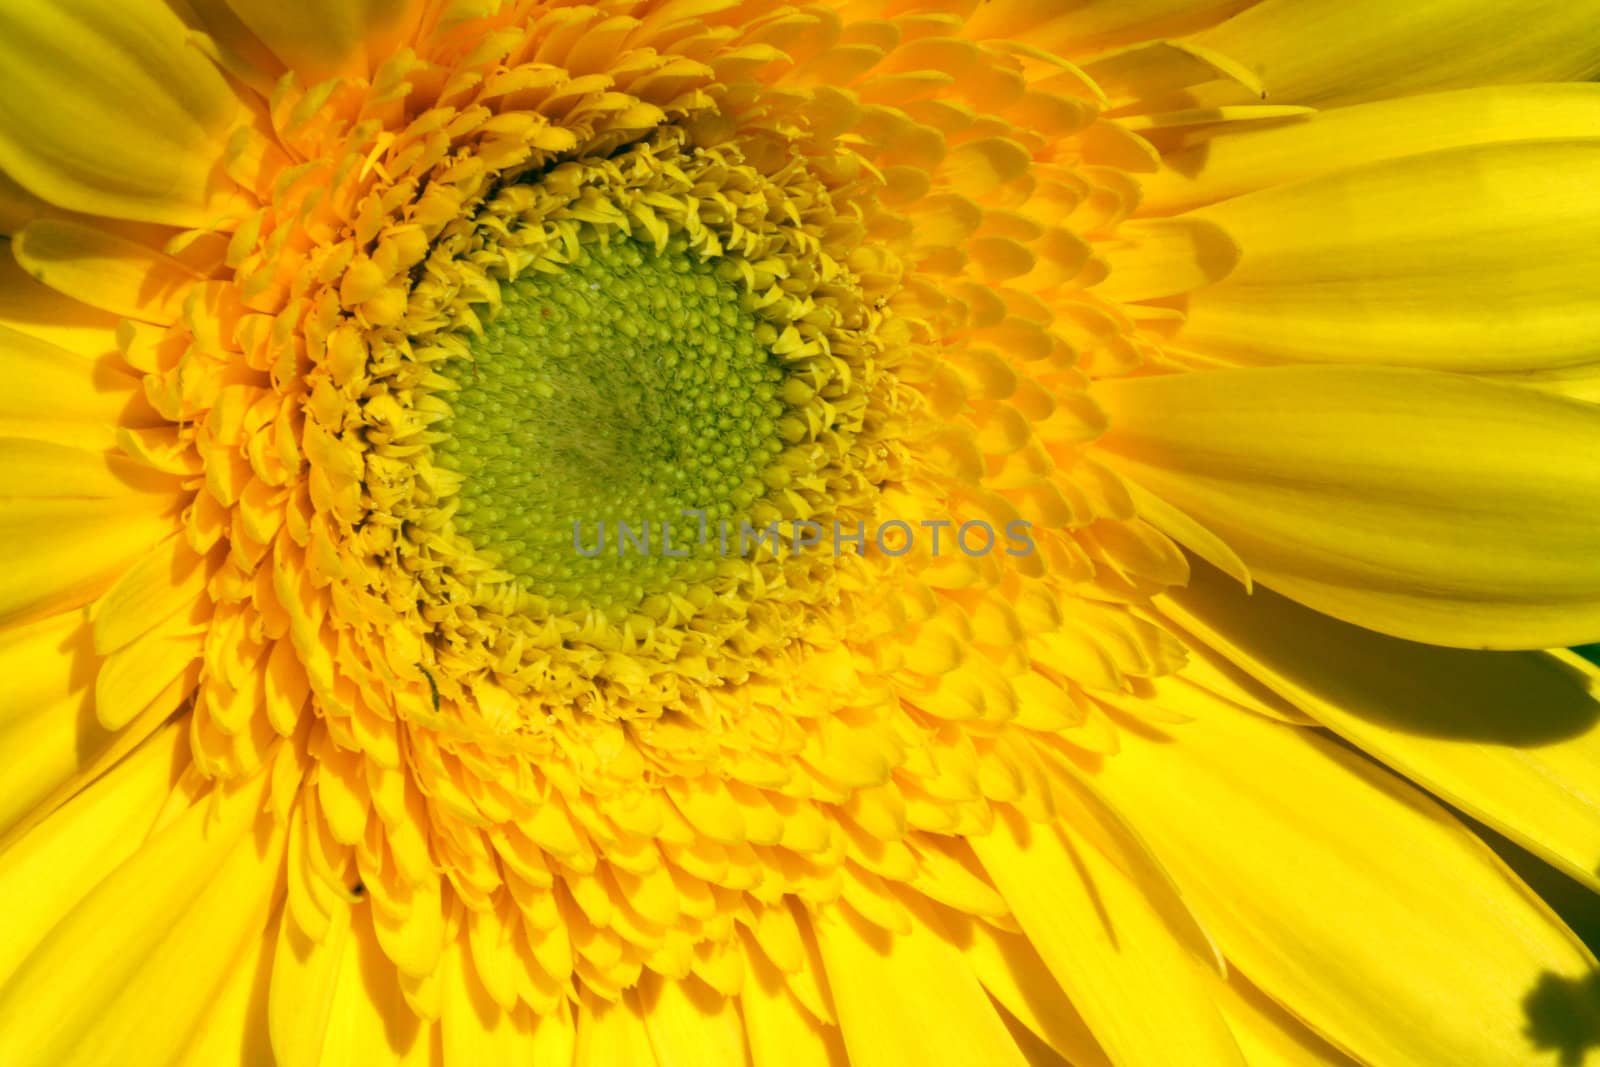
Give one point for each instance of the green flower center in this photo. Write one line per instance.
(602, 403)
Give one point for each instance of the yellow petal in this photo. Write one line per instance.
(781, 1032)
(1089, 26)
(136, 962)
(1261, 157)
(1153, 258)
(46, 712)
(318, 38)
(104, 271)
(1511, 738)
(139, 673)
(17, 206)
(1184, 530)
(1015, 976)
(369, 1021)
(1475, 258)
(304, 975)
(690, 1023)
(1329, 52)
(38, 313)
(1268, 1035)
(1154, 69)
(44, 470)
(412, 933)
(49, 721)
(1579, 383)
(611, 1033)
(555, 1037)
(230, 1033)
(1107, 946)
(908, 998)
(1342, 891)
(473, 1029)
(62, 553)
(40, 663)
(54, 395)
(54, 866)
(234, 48)
(1430, 506)
(109, 111)
(166, 581)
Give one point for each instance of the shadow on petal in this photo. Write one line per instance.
(1519, 699)
(1564, 1016)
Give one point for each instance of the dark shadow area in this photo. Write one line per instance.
(1562, 1013)
(1578, 905)
(1518, 699)
(78, 649)
(1564, 1016)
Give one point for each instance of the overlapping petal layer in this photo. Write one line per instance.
(1420, 504)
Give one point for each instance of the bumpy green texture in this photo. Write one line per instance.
(627, 388)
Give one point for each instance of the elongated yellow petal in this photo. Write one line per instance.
(781, 1032)
(46, 873)
(134, 964)
(56, 395)
(1425, 505)
(1015, 976)
(104, 270)
(1328, 52)
(305, 973)
(168, 580)
(369, 1021)
(1184, 530)
(1243, 161)
(74, 69)
(49, 722)
(141, 672)
(1476, 258)
(1164, 257)
(908, 998)
(62, 553)
(611, 1033)
(1155, 69)
(555, 1036)
(1579, 383)
(234, 48)
(232, 1032)
(473, 1029)
(1341, 890)
(45, 317)
(45, 470)
(1268, 1035)
(690, 1023)
(46, 712)
(1511, 738)
(1090, 26)
(37, 661)
(17, 206)
(1107, 947)
(317, 38)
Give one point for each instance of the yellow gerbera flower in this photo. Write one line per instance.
(878, 532)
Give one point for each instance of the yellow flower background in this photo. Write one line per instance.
(1277, 323)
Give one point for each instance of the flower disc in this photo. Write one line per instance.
(622, 394)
